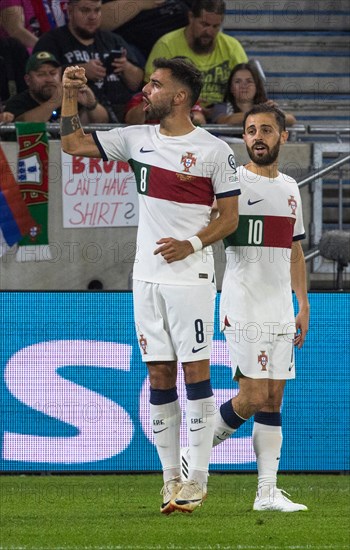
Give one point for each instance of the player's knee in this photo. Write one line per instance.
(258, 399)
(258, 402)
(275, 397)
(250, 404)
(162, 376)
(273, 403)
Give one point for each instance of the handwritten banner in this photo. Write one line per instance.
(97, 193)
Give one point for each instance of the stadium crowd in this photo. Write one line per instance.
(116, 41)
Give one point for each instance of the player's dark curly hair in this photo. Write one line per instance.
(260, 95)
(185, 72)
(264, 108)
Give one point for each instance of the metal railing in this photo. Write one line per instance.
(53, 128)
(315, 252)
(311, 254)
(324, 171)
(295, 131)
(325, 129)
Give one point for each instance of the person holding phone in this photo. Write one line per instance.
(110, 66)
(111, 62)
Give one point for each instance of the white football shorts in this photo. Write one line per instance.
(258, 354)
(174, 322)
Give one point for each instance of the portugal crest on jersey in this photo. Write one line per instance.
(293, 204)
(143, 344)
(188, 161)
(263, 360)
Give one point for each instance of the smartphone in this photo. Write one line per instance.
(111, 57)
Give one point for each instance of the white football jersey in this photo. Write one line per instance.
(256, 290)
(177, 179)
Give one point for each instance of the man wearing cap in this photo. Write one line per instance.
(111, 68)
(41, 102)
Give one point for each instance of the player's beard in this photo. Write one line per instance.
(158, 112)
(268, 158)
(201, 47)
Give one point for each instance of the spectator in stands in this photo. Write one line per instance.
(245, 88)
(41, 102)
(18, 20)
(111, 70)
(13, 59)
(135, 112)
(213, 52)
(51, 13)
(135, 19)
(26, 20)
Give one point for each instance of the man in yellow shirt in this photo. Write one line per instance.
(213, 52)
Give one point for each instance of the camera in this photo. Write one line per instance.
(111, 57)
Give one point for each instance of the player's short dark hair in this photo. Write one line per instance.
(212, 6)
(264, 108)
(183, 70)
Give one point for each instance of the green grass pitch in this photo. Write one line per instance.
(106, 512)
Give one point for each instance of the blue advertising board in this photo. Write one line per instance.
(74, 391)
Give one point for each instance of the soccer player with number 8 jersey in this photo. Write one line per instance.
(179, 169)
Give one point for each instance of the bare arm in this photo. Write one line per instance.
(12, 20)
(234, 119)
(94, 69)
(290, 119)
(118, 12)
(225, 224)
(6, 117)
(198, 118)
(94, 112)
(43, 112)
(135, 115)
(98, 115)
(173, 250)
(298, 278)
(73, 139)
(131, 74)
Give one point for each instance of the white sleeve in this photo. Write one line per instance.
(299, 230)
(112, 144)
(225, 180)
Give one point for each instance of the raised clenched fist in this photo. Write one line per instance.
(74, 77)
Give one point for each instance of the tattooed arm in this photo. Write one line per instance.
(73, 139)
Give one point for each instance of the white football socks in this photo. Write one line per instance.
(166, 420)
(267, 443)
(222, 430)
(200, 417)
